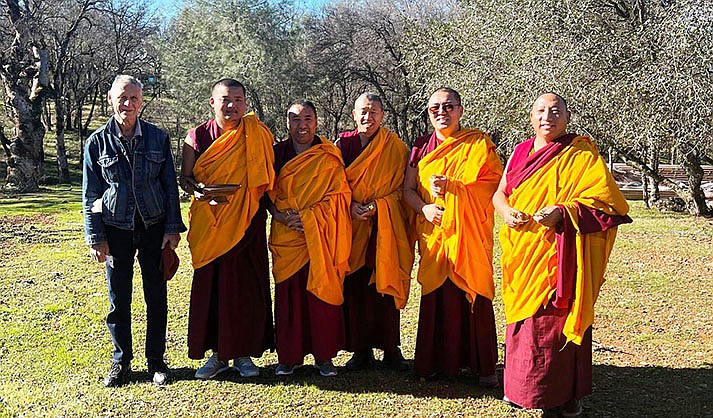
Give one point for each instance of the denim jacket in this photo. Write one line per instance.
(147, 184)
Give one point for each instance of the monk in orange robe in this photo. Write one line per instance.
(450, 181)
(310, 241)
(230, 308)
(379, 278)
(561, 208)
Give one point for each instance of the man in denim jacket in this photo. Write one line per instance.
(130, 204)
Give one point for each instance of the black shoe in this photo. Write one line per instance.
(360, 360)
(118, 375)
(395, 361)
(161, 373)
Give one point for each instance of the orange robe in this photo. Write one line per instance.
(240, 156)
(461, 248)
(314, 184)
(377, 174)
(577, 175)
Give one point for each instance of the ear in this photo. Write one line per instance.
(211, 101)
(354, 115)
(108, 96)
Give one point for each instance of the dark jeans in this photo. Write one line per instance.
(123, 246)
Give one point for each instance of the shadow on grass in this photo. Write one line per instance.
(652, 392)
(46, 200)
(618, 391)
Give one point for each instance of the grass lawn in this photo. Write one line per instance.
(653, 335)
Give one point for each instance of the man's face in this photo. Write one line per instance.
(228, 104)
(301, 123)
(549, 117)
(126, 100)
(367, 115)
(444, 111)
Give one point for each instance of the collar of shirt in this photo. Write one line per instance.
(117, 131)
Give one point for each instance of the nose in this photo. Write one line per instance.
(230, 105)
(126, 102)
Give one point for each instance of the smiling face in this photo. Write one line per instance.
(549, 117)
(444, 111)
(367, 115)
(228, 104)
(126, 100)
(301, 124)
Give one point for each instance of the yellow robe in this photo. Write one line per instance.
(377, 175)
(314, 184)
(461, 248)
(240, 156)
(529, 260)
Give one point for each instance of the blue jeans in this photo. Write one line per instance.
(124, 246)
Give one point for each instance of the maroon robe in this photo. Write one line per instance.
(452, 334)
(230, 297)
(304, 324)
(371, 318)
(540, 370)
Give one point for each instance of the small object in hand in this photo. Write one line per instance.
(370, 207)
(520, 216)
(441, 208)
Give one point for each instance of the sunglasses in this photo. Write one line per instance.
(447, 107)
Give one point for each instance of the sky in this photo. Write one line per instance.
(167, 8)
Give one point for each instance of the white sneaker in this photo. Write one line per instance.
(246, 367)
(212, 368)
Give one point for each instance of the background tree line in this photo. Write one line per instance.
(638, 74)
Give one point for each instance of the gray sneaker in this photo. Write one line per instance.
(284, 369)
(326, 368)
(246, 367)
(212, 368)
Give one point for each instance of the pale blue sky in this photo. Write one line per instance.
(167, 8)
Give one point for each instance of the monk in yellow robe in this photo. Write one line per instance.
(450, 181)
(561, 208)
(379, 278)
(230, 309)
(310, 240)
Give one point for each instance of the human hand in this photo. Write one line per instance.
(362, 212)
(170, 239)
(290, 218)
(514, 218)
(188, 183)
(549, 216)
(438, 185)
(433, 213)
(99, 251)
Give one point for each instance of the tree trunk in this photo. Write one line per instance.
(653, 193)
(24, 164)
(62, 165)
(48, 116)
(697, 204)
(24, 71)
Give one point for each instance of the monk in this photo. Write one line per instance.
(381, 259)
(310, 240)
(561, 208)
(230, 307)
(450, 181)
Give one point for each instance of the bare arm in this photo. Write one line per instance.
(513, 217)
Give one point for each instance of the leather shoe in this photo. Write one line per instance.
(360, 360)
(161, 374)
(394, 360)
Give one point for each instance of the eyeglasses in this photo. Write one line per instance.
(447, 107)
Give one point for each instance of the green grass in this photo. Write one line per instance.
(653, 337)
